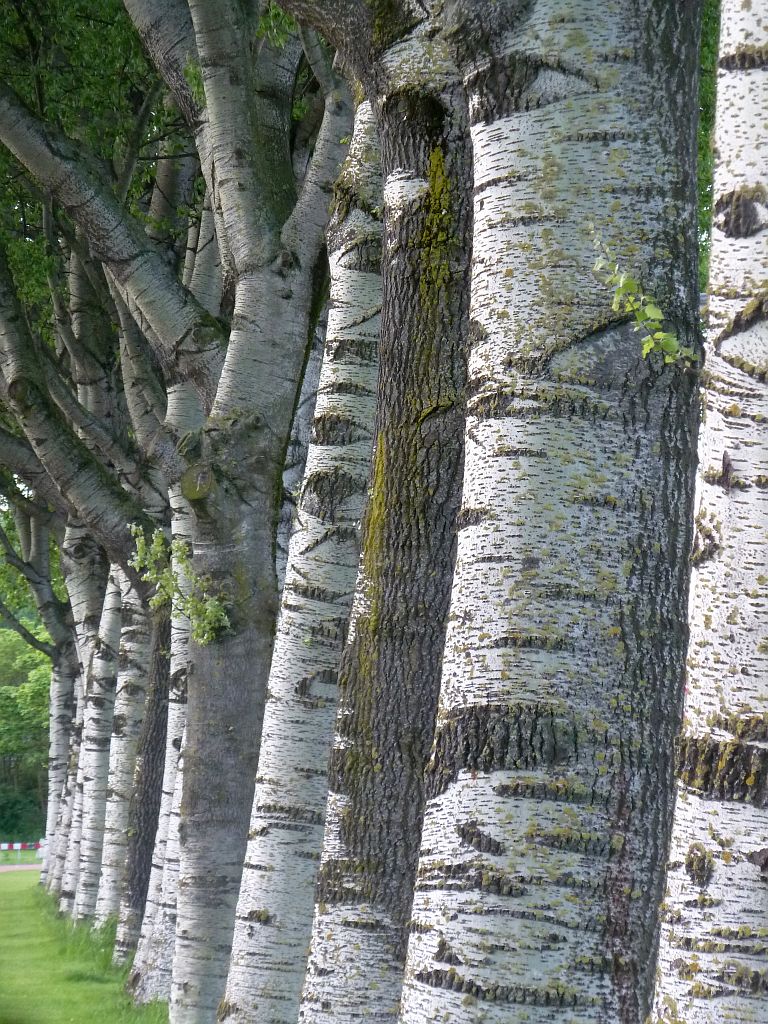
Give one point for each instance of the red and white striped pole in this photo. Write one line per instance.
(20, 847)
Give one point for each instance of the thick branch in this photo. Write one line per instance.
(81, 480)
(17, 455)
(190, 342)
(99, 441)
(251, 177)
(304, 230)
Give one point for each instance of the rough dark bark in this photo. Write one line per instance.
(148, 783)
(389, 674)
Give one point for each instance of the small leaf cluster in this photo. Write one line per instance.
(275, 25)
(193, 76)
(165, 566)
(630, 299)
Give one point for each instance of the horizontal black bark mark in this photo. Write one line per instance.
(325, 490)
(544, 789)
(725, 769)
(508, 403)
(469, 877)
(471, 834)
(738, 213)
(337, 534)
(326, 677)
(333, 429)
(360, 349)
(347, 387)
(528, 642)
(473, 517)
(524, 994)
(514, 83)
(746, 58)
(286, 812)
(499, 737)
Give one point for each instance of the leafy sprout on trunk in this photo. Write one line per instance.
(169, 568)
(630, 300)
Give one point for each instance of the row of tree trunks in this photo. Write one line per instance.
(274, 911)
(95, 745)
(130, 695)
(389, 672)
(512, 674)
(146, 793)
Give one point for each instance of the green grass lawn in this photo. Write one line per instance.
(53, 973)
(19, 857)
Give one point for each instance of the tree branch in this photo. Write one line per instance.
(83, 483)
(304, 231)
(9, 621)
(17, 455)
(190, 341)
(134, 143)
(167, 33)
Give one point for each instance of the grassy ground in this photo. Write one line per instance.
(19, 857)
(53, 973)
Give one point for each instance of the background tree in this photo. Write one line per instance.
(268, 277)
(712, 960)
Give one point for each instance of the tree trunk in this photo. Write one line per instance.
(274, 911)
(296, 453)
(234, 489)
(94, 749)
(85, 573)
(65, 679)
(227, 682)
(150, 978)
(147, 791)
(713, 957)
(550, 783)
(389, 674)
(130, 696)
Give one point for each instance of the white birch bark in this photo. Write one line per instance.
(205, 273)
(274, 911)
(58, 851)
(85, 573)
(130, 693)
(64, 682)
(151, 974)
(296, 454)
(713, 955)
(94, 748)
(549, 785)
(234, 546)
